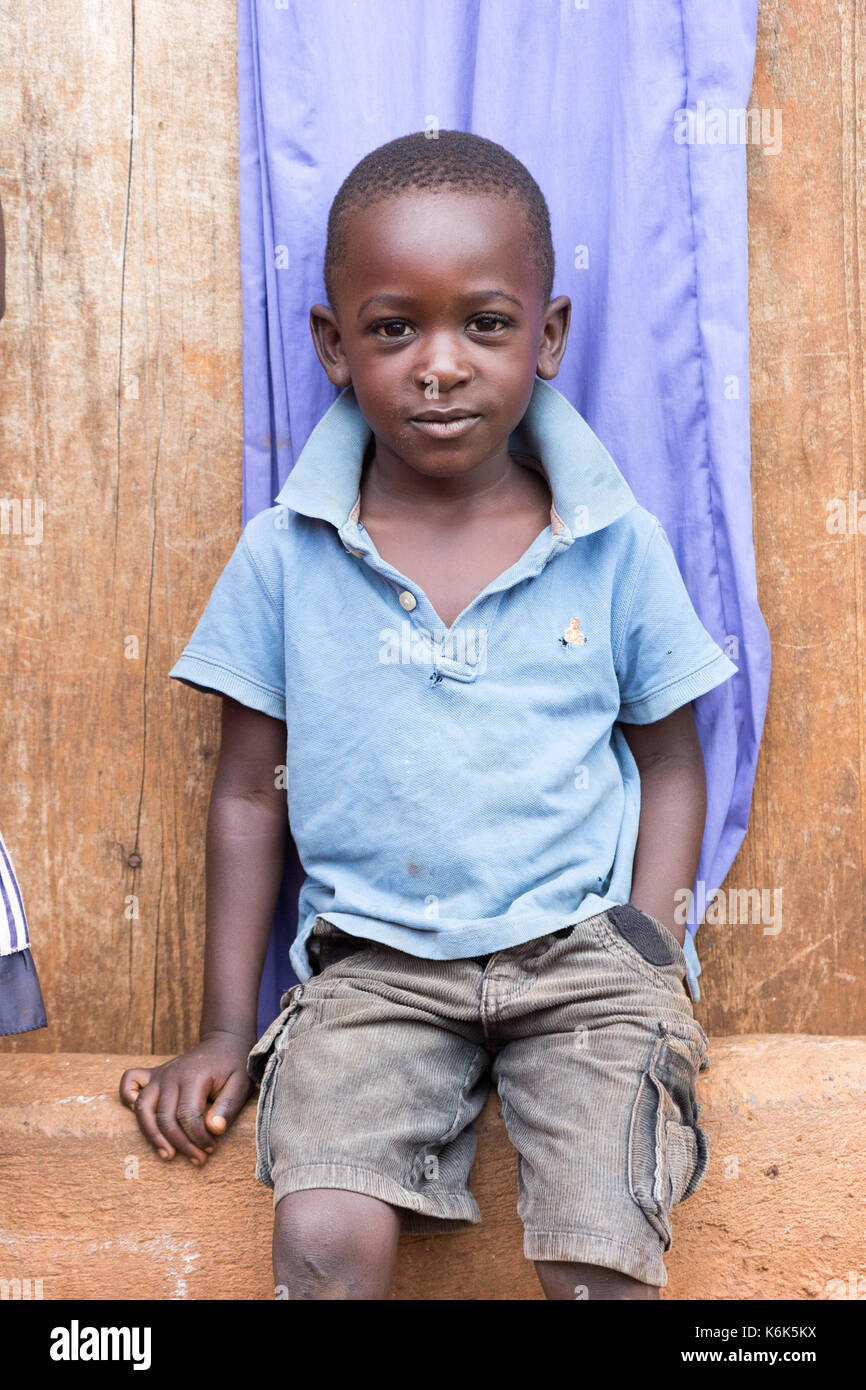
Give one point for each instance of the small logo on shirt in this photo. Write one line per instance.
(573, 635)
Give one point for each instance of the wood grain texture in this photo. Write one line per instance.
(807, 250)
(120, 408)
(120, 363)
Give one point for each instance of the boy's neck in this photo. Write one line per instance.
(389, 486)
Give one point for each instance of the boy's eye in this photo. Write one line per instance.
(382, 328)
(491, 323)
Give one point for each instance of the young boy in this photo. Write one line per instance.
(469, 654)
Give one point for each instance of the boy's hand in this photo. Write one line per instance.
(171, 1101)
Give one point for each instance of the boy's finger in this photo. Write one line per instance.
(132, 1082)
(145, 1113)
(166, 1118)
(228, 1102)
(191, 1105)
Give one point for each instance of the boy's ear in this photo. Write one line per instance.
(554, 336)
(328, 344)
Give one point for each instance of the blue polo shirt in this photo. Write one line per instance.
(458, 791)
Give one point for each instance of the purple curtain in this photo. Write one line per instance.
(629, 115)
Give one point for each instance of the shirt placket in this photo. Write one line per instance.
(458, 652)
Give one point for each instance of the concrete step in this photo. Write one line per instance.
(89, 1210)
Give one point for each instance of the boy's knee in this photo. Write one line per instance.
(333, 1244)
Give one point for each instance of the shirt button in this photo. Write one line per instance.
(408, 601)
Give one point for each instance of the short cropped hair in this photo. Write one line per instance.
(456, 159)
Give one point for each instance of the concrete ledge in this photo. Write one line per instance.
(86, 1206)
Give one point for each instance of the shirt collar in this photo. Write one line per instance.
(588, 489)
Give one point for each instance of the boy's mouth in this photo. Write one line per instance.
(444, 424)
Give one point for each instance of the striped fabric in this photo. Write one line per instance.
(22, 1007)
(13, 923)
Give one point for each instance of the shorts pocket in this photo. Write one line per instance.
(668, 1152)
(649, 937)
(263, 1064)
(647, 945)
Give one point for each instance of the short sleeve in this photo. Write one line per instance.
(22, 1009)
(664, 655)
(238, 645)
(21, 1005)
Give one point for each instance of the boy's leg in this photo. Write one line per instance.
(561, 1280)
(369, 1082)
(334, 1244)
(596, 1080)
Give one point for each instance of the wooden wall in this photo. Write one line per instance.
(120, 408)
(807, 248)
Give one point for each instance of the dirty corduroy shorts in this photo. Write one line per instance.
(373, 1072)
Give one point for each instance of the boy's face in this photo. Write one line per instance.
(439, 312)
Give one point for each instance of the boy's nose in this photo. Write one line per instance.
(444, 364)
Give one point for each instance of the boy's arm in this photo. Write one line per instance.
(672, 814)
(247, 831)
